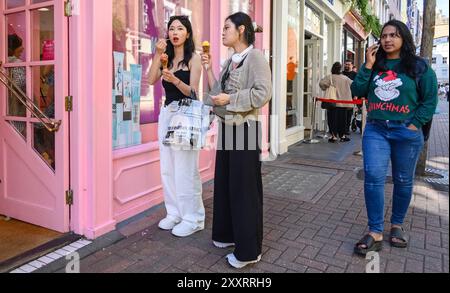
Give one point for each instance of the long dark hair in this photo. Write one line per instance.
(14, 42)
(408, 57)
(189, 45)
(241, 18)
(337, 68)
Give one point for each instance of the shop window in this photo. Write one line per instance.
(246, 6)
(43, 34)
(292, 99)
(16, 37)
(312, 21)
(10, 4)
(137, 27)
(350, 44)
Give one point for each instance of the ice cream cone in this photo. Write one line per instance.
(206, 47)
(164, 61)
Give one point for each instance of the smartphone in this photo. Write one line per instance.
(378, 45)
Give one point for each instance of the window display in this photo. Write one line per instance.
(137, 27)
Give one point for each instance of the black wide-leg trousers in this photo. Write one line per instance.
(238, 190)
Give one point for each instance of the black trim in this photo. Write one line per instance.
(40, 251)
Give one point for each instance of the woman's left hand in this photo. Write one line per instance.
(413, 127)
(221, 100)
(170, 77)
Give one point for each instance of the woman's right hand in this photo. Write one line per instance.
(371, 55)
(161, 47)
(206, 60)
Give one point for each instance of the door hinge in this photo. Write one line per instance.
(69, 103)
(69, 197)
(68, 8)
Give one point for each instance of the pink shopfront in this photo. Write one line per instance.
(84, 156)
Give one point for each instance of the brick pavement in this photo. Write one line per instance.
(300, 236)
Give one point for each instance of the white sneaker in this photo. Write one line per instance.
(185, 229)
(234, 262)
(168, 223)
(222, 245)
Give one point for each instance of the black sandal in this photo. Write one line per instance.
(398, 233)
(333, 140)
(370, 243)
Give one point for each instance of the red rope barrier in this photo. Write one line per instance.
(354, 102)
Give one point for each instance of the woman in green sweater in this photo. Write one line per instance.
(402, 93)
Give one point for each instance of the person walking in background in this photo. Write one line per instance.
(350, 73)
(348, 69)
(402, 94)
(337, 116)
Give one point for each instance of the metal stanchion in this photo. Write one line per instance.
(325, 135)
(311, 139)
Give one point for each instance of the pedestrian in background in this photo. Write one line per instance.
(337, 116)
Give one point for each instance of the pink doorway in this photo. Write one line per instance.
(34, 162)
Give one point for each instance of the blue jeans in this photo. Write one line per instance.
(384, 141)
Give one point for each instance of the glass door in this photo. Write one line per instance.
(34, 160)
(311, 78)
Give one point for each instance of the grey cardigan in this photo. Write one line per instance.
(249, 87)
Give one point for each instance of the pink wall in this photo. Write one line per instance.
(92, 119)
(113, 186)
(108, 186)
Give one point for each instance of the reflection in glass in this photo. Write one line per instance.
(18, 77)
(137, 26)
(43, 78)
(16, 37)
(312, 21)
(20, 127)
(43, 34)
(292, 65)
(307, 88)
(14, 3)
(327, 37)
(246, 6)
(39, 1)
(44, 144)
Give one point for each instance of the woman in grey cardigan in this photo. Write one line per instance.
(337, 117)
(244, 87)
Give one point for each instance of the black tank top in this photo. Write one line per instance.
(172, 92)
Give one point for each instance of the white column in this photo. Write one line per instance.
(321, 114)
(280, 39)
(339, 30)
(301, 47)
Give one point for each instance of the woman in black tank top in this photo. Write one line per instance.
(183, 68)
(172, 92)
(180, 68)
